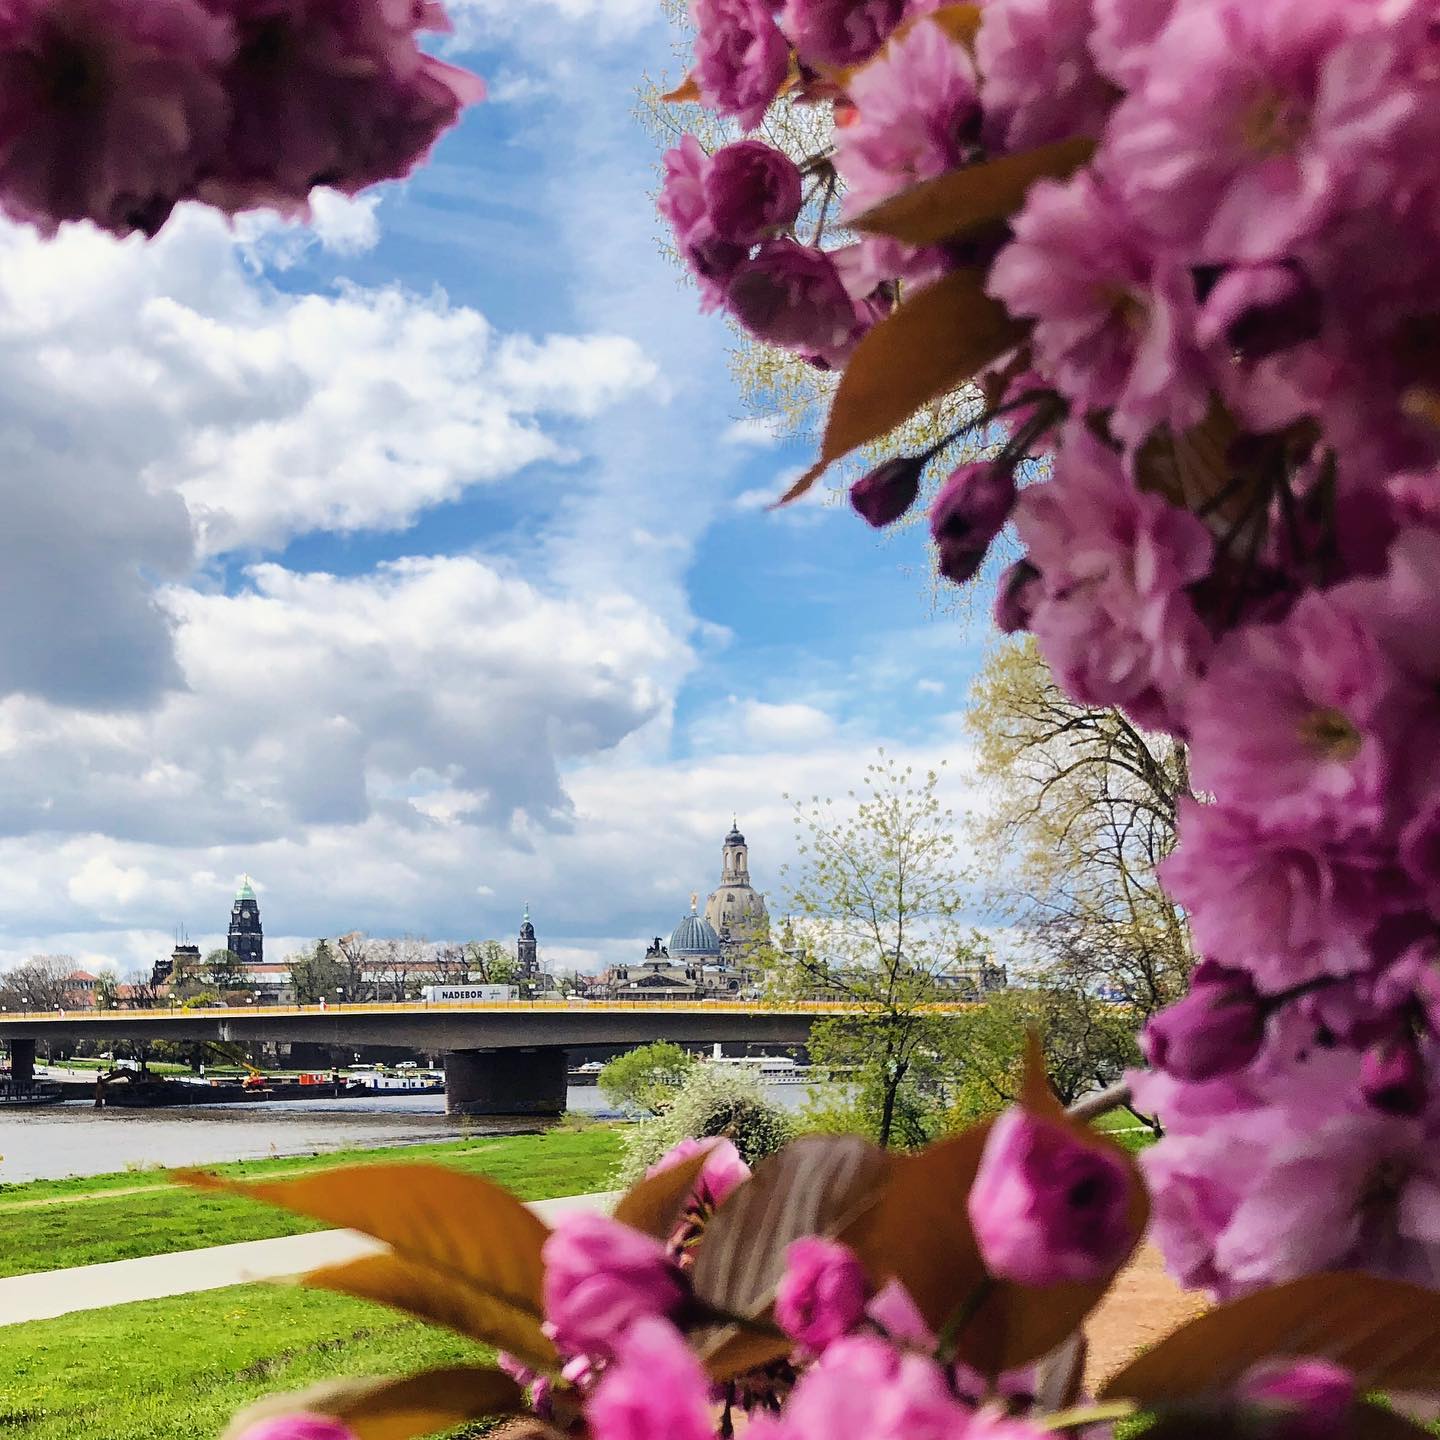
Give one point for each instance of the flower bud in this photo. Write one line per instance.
(888, 491)
(969, 512)
(1046, 1207)
(600, 1278)
(751, 190)
(1218, 1027)
(1315, 1397)
(1392, 1077)
(1016, 597)
(821, 1296)
(300, 1426)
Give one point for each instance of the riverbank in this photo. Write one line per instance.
(56, 1224)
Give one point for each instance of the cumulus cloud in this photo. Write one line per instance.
(431, 691)
(162, 402)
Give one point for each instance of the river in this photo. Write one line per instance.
(77, 1139)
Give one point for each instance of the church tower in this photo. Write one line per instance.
(526, 950)
(736, 909)
(246, 940)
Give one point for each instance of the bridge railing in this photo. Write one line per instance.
(446, 1007)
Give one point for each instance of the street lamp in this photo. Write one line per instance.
(339, 995)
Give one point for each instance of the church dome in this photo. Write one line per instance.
(694, 936)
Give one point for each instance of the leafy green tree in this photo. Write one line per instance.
(1088, 1044)
(877, 904)
(491, 963)
(647, 1076)
(107, 990)
(316, 974)
(223, 971)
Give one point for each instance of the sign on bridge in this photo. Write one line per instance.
(469, 992)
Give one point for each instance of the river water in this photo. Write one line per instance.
(77, 1139)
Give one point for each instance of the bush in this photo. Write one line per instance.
(711, 1100)
(647, 1076)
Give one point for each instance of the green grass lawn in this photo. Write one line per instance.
(52, 1224)
(177, 1369)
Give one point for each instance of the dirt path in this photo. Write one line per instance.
(1143, 1306)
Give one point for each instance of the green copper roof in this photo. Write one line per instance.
(245, 892)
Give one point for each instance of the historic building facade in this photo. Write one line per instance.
(707, 955)
(246, 940)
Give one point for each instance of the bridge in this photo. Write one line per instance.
(501, 1058)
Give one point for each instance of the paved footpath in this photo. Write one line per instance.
(153, 1277)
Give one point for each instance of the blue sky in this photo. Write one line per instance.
(414, 561)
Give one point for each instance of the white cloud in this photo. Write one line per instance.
(805, 510)
(433, 691)
(156, 399)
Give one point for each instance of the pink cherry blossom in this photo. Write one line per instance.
(1123, 34)
(655, 1388)
(1039, 82)
(741, 58)
(821, 1295)
(839, 32)
(1114, 318)
(601, 1277)
(328, 93)
(791, 295)
(1251, 123)
(722, 1172)
(917, 116)
(1112, 615)
(109, 109)
(1218, 1027)
(968, 513)
(1362, 1191)
(1047, 1208)
(685, 204)
(1279, 902)
(1289, 719)
(752, 191)
(1312, 1399)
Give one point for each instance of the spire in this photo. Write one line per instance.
(525, 919)
(694, 901)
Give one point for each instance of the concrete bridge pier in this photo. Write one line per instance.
(22, 1061)
(528, 1081)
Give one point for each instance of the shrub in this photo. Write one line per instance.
(711, 1100)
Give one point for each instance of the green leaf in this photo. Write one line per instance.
(395, 1408)
(1387, 1332)
(925, 347)
(445, 1228)
(960, 201)
(816, 1185)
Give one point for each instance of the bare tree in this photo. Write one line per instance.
(40, 983)
(354, 956)
(142, 993)
(1082, 811)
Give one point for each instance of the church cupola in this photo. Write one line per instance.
(735, 864)
(246, 939)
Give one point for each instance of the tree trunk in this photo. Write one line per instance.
(887, 1112)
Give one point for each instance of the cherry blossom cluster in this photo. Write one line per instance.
(1230, 322)
(1046, 1209)
(114, 111)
